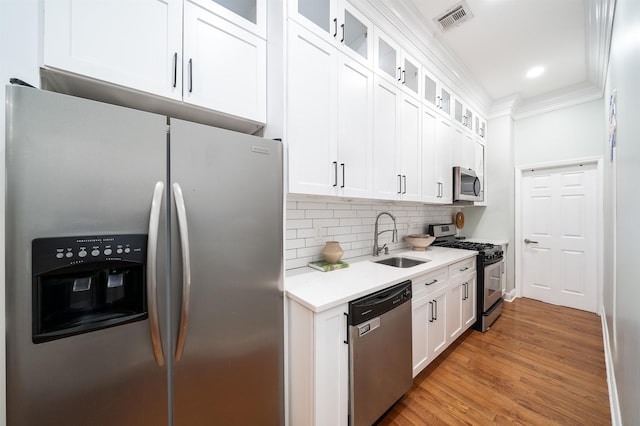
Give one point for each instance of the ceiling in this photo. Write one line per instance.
(505, 38)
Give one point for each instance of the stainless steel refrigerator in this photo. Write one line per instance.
(143, 268)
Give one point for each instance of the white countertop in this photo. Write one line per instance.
(319, 291)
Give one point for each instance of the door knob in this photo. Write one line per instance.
(528, 241)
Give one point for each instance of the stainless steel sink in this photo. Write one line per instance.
(401, 262)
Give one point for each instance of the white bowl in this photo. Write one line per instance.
(419, 242)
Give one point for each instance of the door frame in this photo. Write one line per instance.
(519, 246)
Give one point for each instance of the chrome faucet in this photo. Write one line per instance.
(394, 235)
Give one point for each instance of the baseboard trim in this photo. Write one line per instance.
(614, 402)
(510, 296)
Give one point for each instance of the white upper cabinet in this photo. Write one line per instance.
(338, 22)
(222, 71)
(436, 158)
(248, 14)
(395, 64)
(334, 158)
(464, 149)
(396, 143)
(140, 49)
(386, 133)
(480, 127)
(463, 114)
(207, 53)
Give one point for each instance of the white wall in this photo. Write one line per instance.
(19, 49)
(568, 133)
(622, 204)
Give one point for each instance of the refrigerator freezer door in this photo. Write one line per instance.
(78, 168)
(231, 369)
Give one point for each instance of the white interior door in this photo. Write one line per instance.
(559, 229)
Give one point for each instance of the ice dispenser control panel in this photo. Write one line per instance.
(54, 253)
(83, 284)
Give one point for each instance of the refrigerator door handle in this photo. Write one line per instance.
(186, 269)
(152, 252)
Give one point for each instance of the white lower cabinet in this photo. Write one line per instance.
(428, 320)
(469, 302)
(461, 305)
(318, 366)
(318, 349)
(437, 325)
(443, 307)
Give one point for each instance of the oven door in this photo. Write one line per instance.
(492, 283)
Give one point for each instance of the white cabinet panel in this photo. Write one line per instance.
(355, 127)
(318, 366)
(205, 53)
(312, 118)
(330, 141)
(141, 48)
(222, 69)
(386, 117)
(410, 149)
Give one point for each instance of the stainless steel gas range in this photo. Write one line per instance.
(489, 265)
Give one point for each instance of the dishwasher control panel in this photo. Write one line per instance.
(376, 304)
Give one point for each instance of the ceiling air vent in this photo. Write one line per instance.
(454, 16)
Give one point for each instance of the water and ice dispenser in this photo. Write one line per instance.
(83, 284)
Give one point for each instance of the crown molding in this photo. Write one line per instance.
(599, 25)
(505, 106)
(558, 99)
(406, 18)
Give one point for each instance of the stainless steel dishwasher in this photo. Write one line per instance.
(379, 352)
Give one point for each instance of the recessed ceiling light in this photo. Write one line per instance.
(535, 72)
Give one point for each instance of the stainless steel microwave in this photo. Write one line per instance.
(466, 186)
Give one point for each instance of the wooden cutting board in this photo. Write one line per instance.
(459, 220)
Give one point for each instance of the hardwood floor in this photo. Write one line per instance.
(539, 364)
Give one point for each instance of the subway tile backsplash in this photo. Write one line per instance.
(311, 223)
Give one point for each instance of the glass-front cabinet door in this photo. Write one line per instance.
(387, 58)
(338, 22)
(354, 32)
(430, 89)
(444, 101)
(248, 14)
(410, 77)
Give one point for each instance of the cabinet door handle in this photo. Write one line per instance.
(404, 180)
(399, 184)
(335, 27)
(190, 75)
(464, 269)
(431, 283)
(528, 241)
(342, 165)
(404, 76)
(175, 69)
(335, 173)
(342, 41)
(431, 305)
(435, 306)
(399, 73)
(346, 341)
